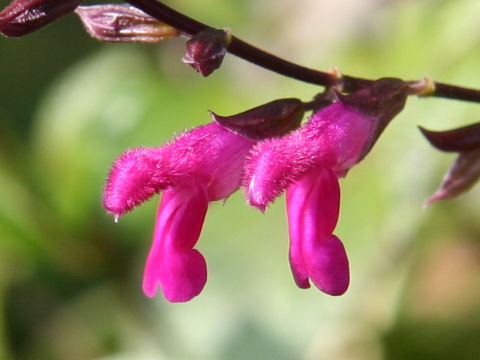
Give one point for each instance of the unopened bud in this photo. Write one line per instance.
(463, 174)
(25, 16)
(206, 50)
(462, 139)
(123, 23)
(382, 100)
(273, 119)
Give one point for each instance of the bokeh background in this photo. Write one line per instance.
(70, 279)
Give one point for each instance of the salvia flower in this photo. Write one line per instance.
(123, 23)
(201, 165)
(465, 171)
(25, 16)
(307, 164)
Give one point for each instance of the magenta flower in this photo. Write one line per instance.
(201, 165)
(307, 164)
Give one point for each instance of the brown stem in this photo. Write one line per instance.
(274, 63)
(259, 57)
(456, 92)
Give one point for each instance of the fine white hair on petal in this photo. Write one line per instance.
(209, 154)
(334, 137)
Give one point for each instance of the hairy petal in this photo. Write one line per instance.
(172, 263)
(133, 179)
(334, 137)
(313, 205)
(208, 154)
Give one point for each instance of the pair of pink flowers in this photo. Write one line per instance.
(210, 162)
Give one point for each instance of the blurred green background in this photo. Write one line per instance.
(70, 279)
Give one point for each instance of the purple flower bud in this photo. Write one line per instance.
(462, 139)
(463, 174)
(273, 119)
(123, 23)
(25, 16)
(206, 50)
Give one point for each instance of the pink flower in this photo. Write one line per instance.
(201, 165)
(207, 164)
(307, 164)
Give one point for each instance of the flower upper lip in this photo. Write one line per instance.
(209, 154)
